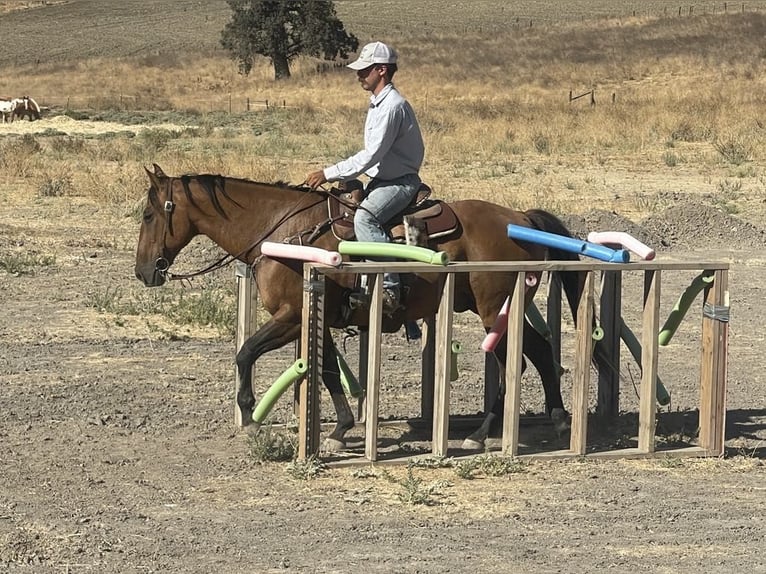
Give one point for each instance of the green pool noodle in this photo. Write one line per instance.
(347, 378)
(455, 350)
(393, 250)
(277, 389)
(635, 349)
(682, 306)
(539, 324)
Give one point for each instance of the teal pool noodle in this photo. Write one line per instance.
(277, 389)
(568, 244)
(393, 250)
(635, 349)
(682, 306)
(536, 320)
(347, 378)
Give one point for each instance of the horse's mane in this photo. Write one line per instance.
(214, 185)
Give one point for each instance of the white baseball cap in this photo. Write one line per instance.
(374, 53)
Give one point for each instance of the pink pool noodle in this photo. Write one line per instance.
(501, 323)
(302, 252)
(624, 239)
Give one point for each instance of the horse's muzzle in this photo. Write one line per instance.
(155, 275)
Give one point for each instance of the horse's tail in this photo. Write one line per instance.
(571, 281)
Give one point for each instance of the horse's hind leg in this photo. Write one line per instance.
(272, 335)
(540, 353)
(476, 440)
(331, 377)
(539, 350)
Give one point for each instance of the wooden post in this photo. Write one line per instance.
(427, 369)
(440, 439)
(312, 344)
(649, 355)
(247, 315)
(514, 351)
(609, 366)
(373, 367)
(713, 370)
(581, 382)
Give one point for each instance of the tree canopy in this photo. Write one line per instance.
(281, 30)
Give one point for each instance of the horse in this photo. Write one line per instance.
(239, 214)
(25, 107)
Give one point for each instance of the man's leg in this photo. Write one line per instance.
(382, 203)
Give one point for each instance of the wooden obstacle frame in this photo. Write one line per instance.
(436, 367)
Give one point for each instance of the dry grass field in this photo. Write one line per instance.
(117, 448)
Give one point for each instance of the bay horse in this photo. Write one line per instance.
(239, 214)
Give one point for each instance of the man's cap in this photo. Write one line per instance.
(374, 53)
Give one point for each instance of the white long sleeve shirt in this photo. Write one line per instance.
(393, 144)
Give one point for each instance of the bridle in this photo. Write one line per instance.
(162, 265)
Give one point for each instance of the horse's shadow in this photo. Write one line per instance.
(745, 434)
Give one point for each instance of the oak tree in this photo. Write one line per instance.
(282, 30)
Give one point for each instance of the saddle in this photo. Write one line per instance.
(433, 217)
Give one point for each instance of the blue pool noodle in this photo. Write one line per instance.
(568, 244)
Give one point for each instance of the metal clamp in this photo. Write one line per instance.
(716, 312)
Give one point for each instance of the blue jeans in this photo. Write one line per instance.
(382, 202)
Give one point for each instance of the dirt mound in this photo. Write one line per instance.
(691, 224)
(685, 225)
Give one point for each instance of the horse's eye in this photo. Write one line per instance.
(148, 215)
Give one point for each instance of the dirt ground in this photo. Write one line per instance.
(118, 451)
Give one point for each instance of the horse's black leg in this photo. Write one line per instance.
(539, 350)
(540, 353)
(272, 335)
(331, 377)
(476, 440)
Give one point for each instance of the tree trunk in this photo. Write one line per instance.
(281, 67)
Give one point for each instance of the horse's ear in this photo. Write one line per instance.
(154, 177)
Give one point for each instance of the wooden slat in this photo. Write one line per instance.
(514, 266)
(373, 367)
(713, 370)
(442, 367)
(428, 356)
(247, 314)
(649, 360)
(608, 403)
(580, 385)
(311, 351)
(512, 405)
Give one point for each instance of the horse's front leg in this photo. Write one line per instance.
(331, 377)
(272, 335)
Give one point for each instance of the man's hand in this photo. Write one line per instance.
(315, 179)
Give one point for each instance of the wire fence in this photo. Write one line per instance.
(129, 102)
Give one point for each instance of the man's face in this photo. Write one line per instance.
(371, 77)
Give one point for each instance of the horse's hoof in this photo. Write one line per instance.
(331, 445)
(471, 444)
(560, 420)
(253, 428)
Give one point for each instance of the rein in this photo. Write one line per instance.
(162, 265)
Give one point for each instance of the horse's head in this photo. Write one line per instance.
(165, 229)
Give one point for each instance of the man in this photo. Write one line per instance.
(392, 155)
